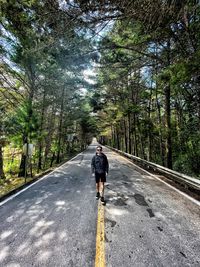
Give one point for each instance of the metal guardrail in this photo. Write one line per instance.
(187, 181)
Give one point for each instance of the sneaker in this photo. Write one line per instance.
(102, 200)
(97, 195)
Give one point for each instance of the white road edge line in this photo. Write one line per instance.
(150, 174)
(45, 176)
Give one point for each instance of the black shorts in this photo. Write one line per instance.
(101, 176)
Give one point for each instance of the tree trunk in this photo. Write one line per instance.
(118, 139)
(142, 154)
(2, 175)
(129, 134)
(114, 139)
(22, 166)
(125, 136)
(40, 134)
(135, 144)
(162, 154)
(168, 127)
(52, 159)
(28, 130)
(48, 139)
(112, 136)
(149, 135)
(167, 92)
(60, 126)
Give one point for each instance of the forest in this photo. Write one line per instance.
(142, 95)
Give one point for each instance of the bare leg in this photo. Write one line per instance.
(97, 187)
(101, 188)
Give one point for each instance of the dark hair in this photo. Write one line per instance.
(99, 147)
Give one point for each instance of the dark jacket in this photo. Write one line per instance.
(99, 163)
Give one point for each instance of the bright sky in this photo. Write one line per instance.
(90, 75)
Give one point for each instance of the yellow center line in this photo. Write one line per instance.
(100, 238)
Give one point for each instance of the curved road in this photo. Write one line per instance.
(54, 222)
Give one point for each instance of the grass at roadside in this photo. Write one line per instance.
(13, 182)
(8, 185)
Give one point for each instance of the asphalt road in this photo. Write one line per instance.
(53, 223)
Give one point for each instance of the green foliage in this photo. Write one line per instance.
(19, 123)
(138, 65)
(42, 76)
(154, 48)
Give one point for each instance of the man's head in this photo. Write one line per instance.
(99, 150)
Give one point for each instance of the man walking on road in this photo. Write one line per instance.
(100, 168)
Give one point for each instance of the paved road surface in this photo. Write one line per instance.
(53, 223)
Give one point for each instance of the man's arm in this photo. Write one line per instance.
(107, 164)
(93, 164)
